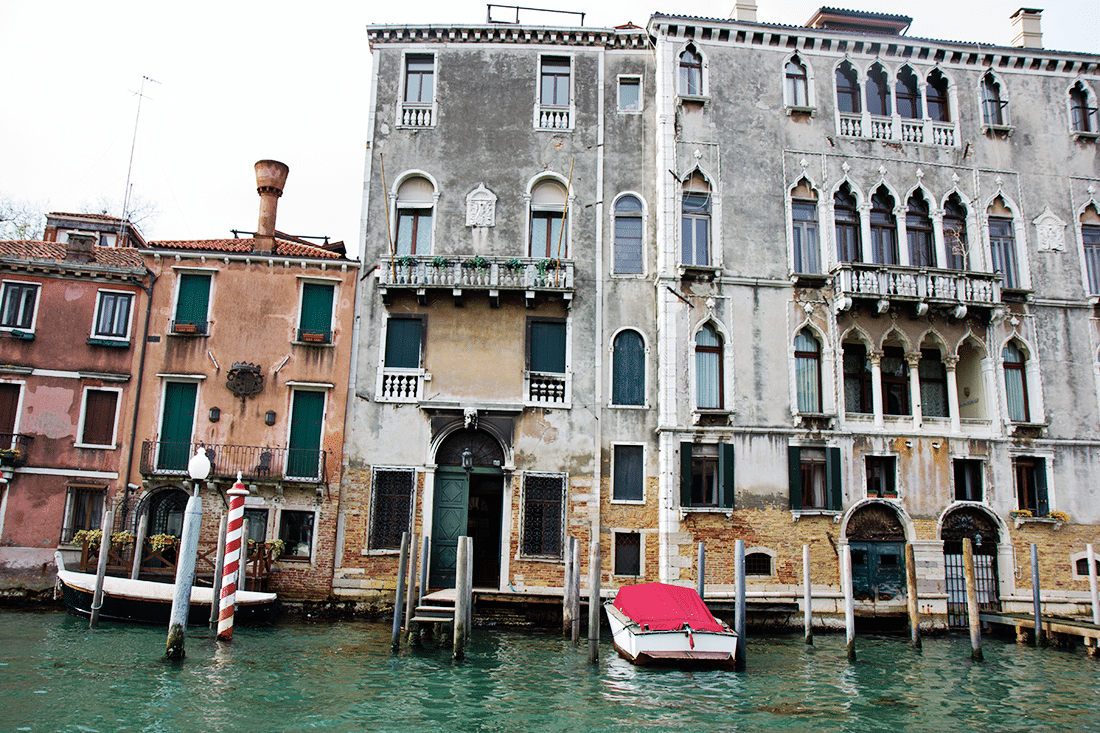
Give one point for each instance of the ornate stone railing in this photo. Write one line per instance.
(400, 385)
(553, 118)
(486, 273)
(925, 132)
(547, 388)
(416, 115)
(911, 283)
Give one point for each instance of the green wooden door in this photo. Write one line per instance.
(307, 412)
(176, 424)
(449, 518)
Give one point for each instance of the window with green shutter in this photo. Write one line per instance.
(546, 345)
(315, 323)
(403, 342)
(192, 304)
(707, 475)
(628, 369)
(814, 478)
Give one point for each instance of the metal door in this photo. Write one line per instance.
(878, 570)
(985, 580)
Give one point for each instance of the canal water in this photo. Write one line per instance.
(56, 675)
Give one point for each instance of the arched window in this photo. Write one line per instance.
(548, 220)
(1015, 363)
(954, 234)
(895, 382)
(807, 249)
(691, 73)
(857, 379)
(849, 246)
(994, 109)
(884, 233)
(918, 229)
(936, 96)
(415, 199)
(1083, 115)
(695, 222)
(796, 86)
(878, 92)
(1002, 243)
(933, 383)
(628, 236)
(1090, 242)
(807, 371)
(708, 369)
(628, 369)
(907, 90)
(847, 89)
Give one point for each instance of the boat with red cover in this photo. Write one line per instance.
(657, 623)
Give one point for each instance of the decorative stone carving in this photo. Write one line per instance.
(481, 207)
(1050, 231)
(245, 380)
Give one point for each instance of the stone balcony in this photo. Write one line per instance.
(529, 275)
(921, 286)
(900, 129)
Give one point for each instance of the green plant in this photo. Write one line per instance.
(276, 548)
(406, 261)
(162, 542)
(514, 264)
(1060, 516)
(122, 537)
(440, 262)
(476, 263)
(1021, 513)
(91, 536)
(545, 265)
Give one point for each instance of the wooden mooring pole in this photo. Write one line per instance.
(849, 600)
(594, 578)
(410, 588)
(139, 545)
(701, 571)
(567, 588)
(424, 562)
(972, 600)
(219, 562)
(101, 568)
(807, 598)
(912, 601)
(399, 592)
(1036, 598)
(462, 598)
(1094, 650)
(576, 593)
(739, 603)
(185, 577)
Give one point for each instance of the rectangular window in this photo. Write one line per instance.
(543, 514)
(192, 304)
(627, 474)
(419, 78)
(695, 232)
(305, 459)
(758, 563)
(895, 382)
(881, 476)
(628, 553)
(630, 94)
(546, 346)
(814, 476)
(1002, 245)
(968, 479)
(933, 384)
(18, 305)
(9, 412)
(257, 524)
(98, 420)
(554, 84)
(391, 506)
(113, 315)
(85, 510)
(1031, 485)
(403, 343)
(1090, 239)
(296, 532)
(706, 475)
(806, 248)
(315, 320)
(547, 237)
(857, 380)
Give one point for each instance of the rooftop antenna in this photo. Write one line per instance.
(130, 168)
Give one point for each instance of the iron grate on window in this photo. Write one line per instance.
(758, 563)
(628, 553)
(391, 507)
(542, 514)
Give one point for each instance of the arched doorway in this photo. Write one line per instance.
(162, 512)
(468, 501)
(982, 530)
(876, 538)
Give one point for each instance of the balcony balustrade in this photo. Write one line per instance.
(530, 274)
(255, 463)
(547, 388)
(400, 385)
(919, 284)
(927, 132)
(416, 115)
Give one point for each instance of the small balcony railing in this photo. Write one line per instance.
(188, 328)
(416, 115)
(553, 118)
(919, 284)
(548, 388)
(484, 273)
(901, 129)
(13, 449)
(400, 385)
(314, 336)
(256, 463)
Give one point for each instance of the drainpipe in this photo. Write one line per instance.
(148, 290)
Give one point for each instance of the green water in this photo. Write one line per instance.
(56, 675)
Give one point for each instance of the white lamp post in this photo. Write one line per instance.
(199, 469)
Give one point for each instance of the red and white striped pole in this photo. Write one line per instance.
(236, 552)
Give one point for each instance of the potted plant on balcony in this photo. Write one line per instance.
(514, 264)
(91, 537)
(477, 262)
(13, 457)
(440, 262)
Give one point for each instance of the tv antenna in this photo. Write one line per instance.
(130, 167)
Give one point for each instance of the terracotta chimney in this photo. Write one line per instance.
(745, 10)
(1025, 22)
(80, 247)
(270, 179)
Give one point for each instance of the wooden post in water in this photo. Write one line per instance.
(567, 587)
(399, 592)
(807, 598)
(972, 600)
(1036, 598)
(739, 604)
(575, 632)
(139, 545)
(849, 600)
(185, 577)
(594, 578)
(701, 571)
(1094, 650)
(912, 600)
(242, 565)
(425, 559)
(469, 585)
(101, 569)
(410, 591)
(219, 562)
(461, 598)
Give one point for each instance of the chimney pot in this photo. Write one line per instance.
(1026, 23)
(80, 247)
(270, 180)
(745, 10)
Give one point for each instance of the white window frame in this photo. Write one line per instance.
(641, 551)
(1005, 125)
(396, 206)
(1077, 557)
(335, 282)
(704, 81)
(863, 479)
(129, 317)
(811, 96)
(79, 442)
(1019, 232)
(1091, 101)
(420, 374)
(567, 402)
(520, 554)
(296, 559)
(400, 119)
(726, 358)
(571, 110)
(37, 303)
(611, 229)
(823, 262)
(619, 97)
(22, 384)
(567, 235)
(645, 451)
(178, 270)
(1079, 230)
(611, 372)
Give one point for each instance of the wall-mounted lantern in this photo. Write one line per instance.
(467, 459)
(215, 414)
(269, 418)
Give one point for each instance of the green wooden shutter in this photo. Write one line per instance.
(832, 479)
(193, 301)
(403, 343)
(1042, 499)
(685, 474)
(725, 472)
(548, 347)
(794, 476)
(176, 425)
(316, 318)
(628, 370)
(307, 412)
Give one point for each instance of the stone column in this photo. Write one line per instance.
(865, 215)
(913, 360)
(949, 363)
(875, 358)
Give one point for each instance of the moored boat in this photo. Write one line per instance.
(145, 601)
(657, 623)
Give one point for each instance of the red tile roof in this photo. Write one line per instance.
(25, 249)
(246, 246)
(102, 217)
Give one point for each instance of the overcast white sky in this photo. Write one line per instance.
(242, 81)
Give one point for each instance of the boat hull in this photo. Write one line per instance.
(673, 648)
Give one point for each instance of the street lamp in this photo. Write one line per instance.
(199, 469)
(467, 459)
